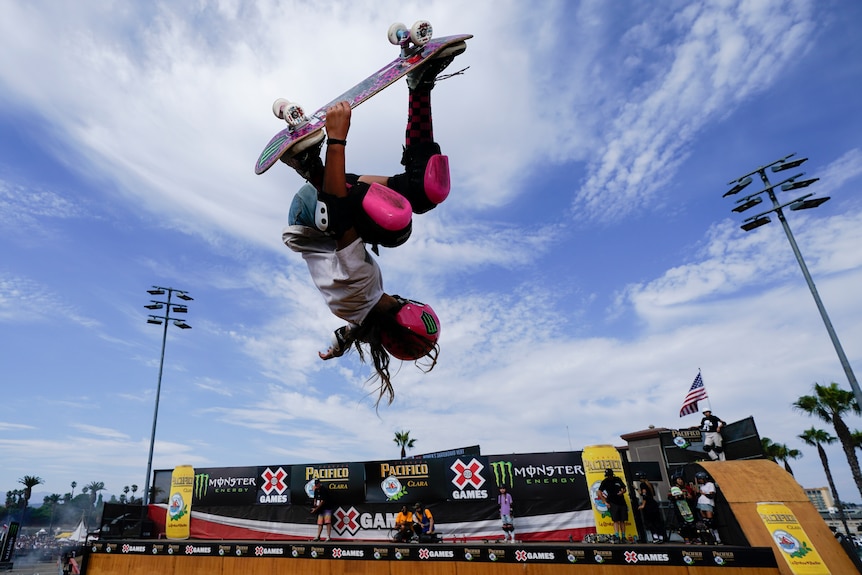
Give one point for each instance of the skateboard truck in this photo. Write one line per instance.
(290, 112)
(419, 35)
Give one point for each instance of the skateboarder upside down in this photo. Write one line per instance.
(335, 214)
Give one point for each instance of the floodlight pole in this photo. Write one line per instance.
(161, 319)
(800, 203)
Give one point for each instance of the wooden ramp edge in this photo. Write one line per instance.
(745, 483)
(177, 565)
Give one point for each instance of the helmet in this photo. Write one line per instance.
(420, 330)
(609, 472)
(701, 475)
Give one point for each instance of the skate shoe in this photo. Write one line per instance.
(424, 77)
(306, 158)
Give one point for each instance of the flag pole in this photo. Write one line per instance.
(708, 402)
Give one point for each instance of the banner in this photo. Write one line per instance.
(9, 542)
(224, 486)
(598, 458)
(405, 481)
(272, 502)
(789, 536)
(345, 481)
(468, 478)
(179, 514)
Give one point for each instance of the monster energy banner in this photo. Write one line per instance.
(9, 542)
(225, 486)
(272, 501)
(555, 479)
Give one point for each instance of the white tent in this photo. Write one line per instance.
(79, 535)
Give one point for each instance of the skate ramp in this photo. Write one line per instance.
(745, 483)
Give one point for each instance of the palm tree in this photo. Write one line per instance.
(829, 403)
(779, 452)
(403, 439)
(93, 489)
(53, 500)
(74, 485)
(29, 482)
(817, 438)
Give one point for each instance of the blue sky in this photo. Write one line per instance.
(584, 267)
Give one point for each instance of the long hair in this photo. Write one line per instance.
(369, 334)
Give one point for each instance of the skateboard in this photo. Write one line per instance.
(417, 47)
(684, 510)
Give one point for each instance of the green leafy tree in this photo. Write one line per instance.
(403, 439)
(830, 404)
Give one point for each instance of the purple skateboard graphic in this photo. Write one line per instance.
(375, 83)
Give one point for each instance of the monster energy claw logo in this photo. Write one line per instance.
(202, 481)
(504, 473)
(430, 323)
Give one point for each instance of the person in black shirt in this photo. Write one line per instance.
(323, 509)
(612, 491)
(710, 428)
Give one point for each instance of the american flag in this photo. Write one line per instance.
(695, 394)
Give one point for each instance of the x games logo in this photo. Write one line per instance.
(470, 476)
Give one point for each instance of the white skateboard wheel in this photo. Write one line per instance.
(398, 33)
(278, 108)
(421, 32)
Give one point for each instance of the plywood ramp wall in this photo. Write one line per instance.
(103, 564)
(745, 483)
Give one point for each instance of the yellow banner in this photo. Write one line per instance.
(178, 524)
(598, 458)
(791, 540)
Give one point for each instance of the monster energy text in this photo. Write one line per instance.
(505, 472)
(203, 483)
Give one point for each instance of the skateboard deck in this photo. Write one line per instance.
(684, 510)
(376, 82)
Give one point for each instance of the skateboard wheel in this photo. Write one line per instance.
(398, 33)
(294, 115)
(290, 112)
(278, 108)
(421, 32)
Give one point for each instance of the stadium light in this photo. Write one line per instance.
(755, 223)
(800, 203)
(162, 320)
(748, 204)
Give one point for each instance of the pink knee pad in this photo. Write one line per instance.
(437, 178)
(387, 208)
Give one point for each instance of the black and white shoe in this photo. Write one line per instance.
(424, 77)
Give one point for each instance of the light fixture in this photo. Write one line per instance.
(755, 224)
(791, 185)
(181, 324)
(183, 296)
(789, 165)
(808, 204)
(154, 305)
(154, 321)
(749, 204)
(180, 309)
(741, 184)
(156, 291)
